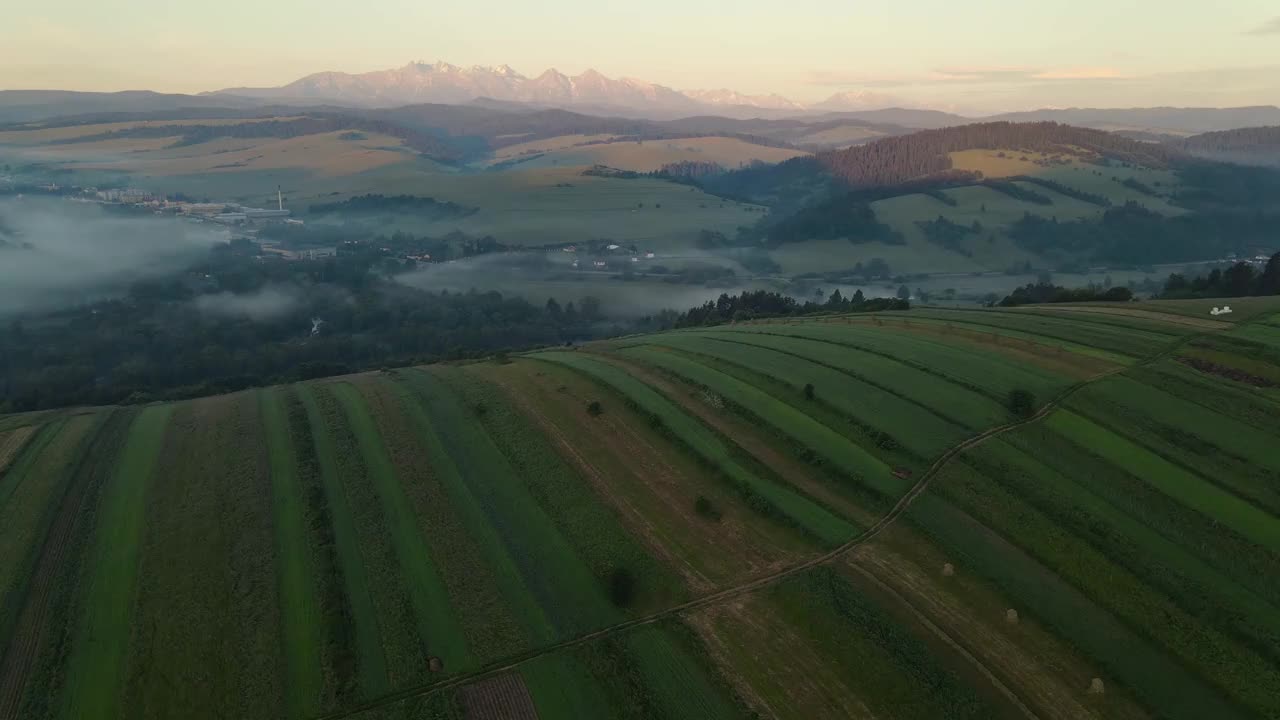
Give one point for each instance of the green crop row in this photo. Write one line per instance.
(96, 666)
(1199, 586)
(655, 671)
(567, 593)
(1162, 684)
(395, 610)
(1260, 333)
(36, 485)
(1197, 534)
(207, 572)
(1238, 669)
(1205, 391)
(915, 428)
(1133, 343)
(797, 508)
(1238, 457)
(46, 683)
(1187, 488)
(994, 332)
(892, 670)
(301, 620)
(369, 664)
(878, 444)
(490, 628)
(436, 624)
(1118, 320)
(848, 458)
(986, 372)
(953, 401)
(595, 532)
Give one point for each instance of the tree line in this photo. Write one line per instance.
(1241, 279)
(1046, 292)
(754, 304)
(234, 321)
(378, 203)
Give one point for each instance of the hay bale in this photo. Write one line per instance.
(948, 569)
(1011, 616)
(1096, 687)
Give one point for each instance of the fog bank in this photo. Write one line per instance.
(56, 253)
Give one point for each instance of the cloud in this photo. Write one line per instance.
(962, 75)
(268, 303)
(980, 74)
(1270, 27)
(1083, 73)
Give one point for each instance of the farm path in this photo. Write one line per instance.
(904, 503)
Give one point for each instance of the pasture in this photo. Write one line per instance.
(651, 155)
(822, 517)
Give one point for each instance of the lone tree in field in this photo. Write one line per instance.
(1022, 403)
(808, 391)
(594, 409)
(622, 587)
(707, 509)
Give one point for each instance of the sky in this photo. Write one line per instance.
(979, 55)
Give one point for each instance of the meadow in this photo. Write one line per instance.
(801, 518)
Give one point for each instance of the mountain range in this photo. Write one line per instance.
(592, 93)
(442, 82)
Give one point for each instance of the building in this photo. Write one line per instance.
(204, 208)
(260, 214)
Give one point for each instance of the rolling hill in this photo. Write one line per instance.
(1247, 146)
(1059, 512)
(1002, 196)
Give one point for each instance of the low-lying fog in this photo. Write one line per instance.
(56, 253)
(512, 276)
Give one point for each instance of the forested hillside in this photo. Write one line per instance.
(898, 160)
(1250, 146)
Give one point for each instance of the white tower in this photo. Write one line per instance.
(279, 199)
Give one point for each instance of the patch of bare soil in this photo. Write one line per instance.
(1230, 373)
(503, 697)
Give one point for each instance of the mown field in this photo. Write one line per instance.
(1044, 512)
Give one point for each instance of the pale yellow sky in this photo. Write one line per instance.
(982, 54)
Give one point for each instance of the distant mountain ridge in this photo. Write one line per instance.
(441, 82)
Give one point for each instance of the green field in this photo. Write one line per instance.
(672, 526)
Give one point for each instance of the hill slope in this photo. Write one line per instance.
(795, 519)
(1247, 146)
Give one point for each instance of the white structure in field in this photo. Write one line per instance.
(1224, 310)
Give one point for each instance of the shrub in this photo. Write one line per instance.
(594, 409)
(622, 587)
(808, 391)
(1022, 403)
(704, 507)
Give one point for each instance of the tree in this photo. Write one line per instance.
(808, 391)
(704, 507)
(904, 293)
(1022, 403)
(1269, 283)
(594, 408)
(622, 587)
